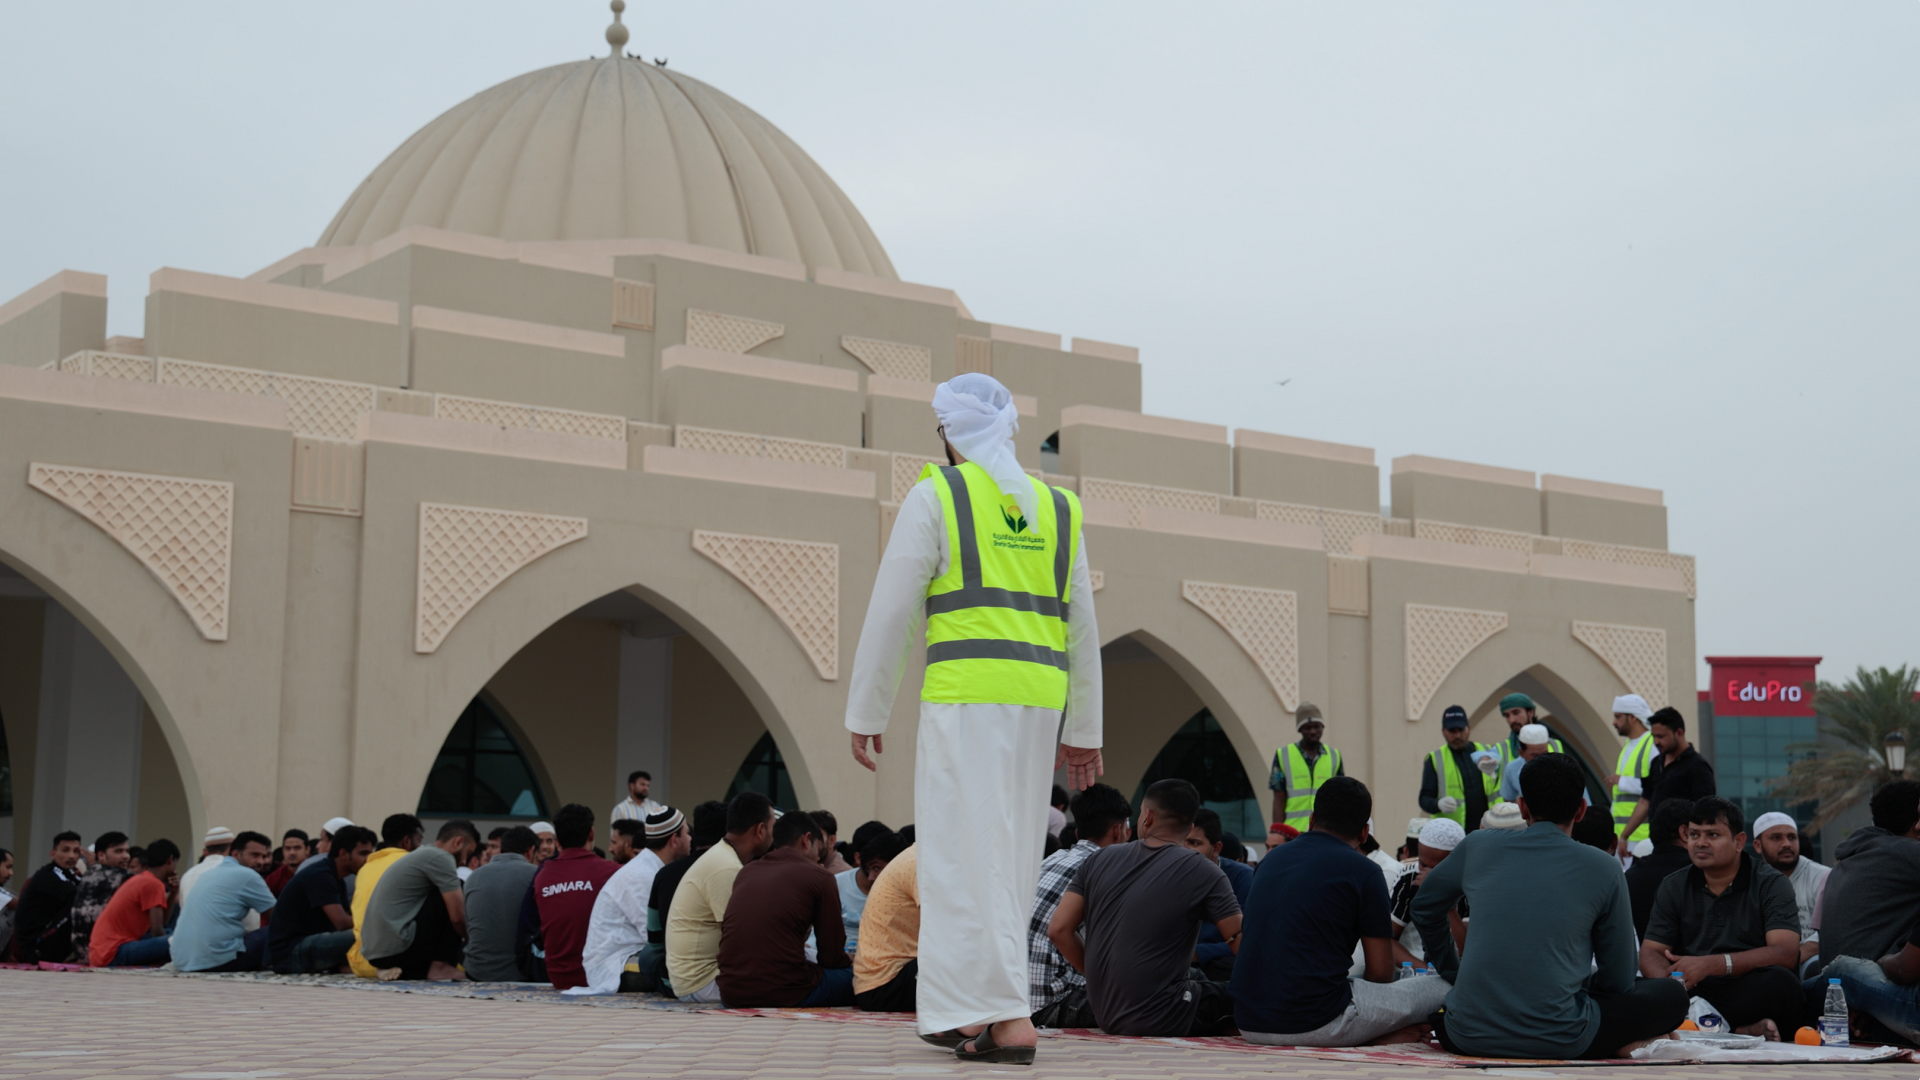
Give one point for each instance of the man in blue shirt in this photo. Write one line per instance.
(1212, 954)
(1559, 977)
(1316, 899)
(211, 934)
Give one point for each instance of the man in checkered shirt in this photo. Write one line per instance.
(1057, 992)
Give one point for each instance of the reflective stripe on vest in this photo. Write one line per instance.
(1451, 784)
(1302, 783)
(997, 619)
(1636, 759)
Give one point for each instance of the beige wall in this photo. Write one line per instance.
(561, 691)
(1610, 521)
(163, 808)
(57, 327)
(1465, 501)
(1146, 702)
(714, 725)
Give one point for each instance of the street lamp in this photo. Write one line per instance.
(1897, 752)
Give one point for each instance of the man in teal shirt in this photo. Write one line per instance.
(1531, 989)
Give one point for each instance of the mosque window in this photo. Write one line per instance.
(1201, 754)
(482, 772)
(765, 771)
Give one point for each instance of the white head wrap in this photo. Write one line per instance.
(981, 419)
(1441, 834)
(334, 825)
(1773, 820)
(1535, 735)
(1634, 704)
(542, 828)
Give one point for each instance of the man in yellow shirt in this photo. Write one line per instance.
(888, 957)
(700, 903)
(399, 834)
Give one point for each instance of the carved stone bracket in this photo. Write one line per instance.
(1265, 623)
(798, 580)
(467, 551)
(1438, 638)
(1638, 654)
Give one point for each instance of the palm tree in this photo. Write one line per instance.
(1859, 713)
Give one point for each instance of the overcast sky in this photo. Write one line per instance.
(1667, 245)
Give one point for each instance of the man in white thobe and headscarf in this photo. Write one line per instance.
(993, 562)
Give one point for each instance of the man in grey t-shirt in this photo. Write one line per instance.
(417, 917)
(494, 894)
(1143, 904)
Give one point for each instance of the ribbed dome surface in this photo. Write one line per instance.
(610, 149)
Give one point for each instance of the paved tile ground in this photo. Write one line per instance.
(68, 1026)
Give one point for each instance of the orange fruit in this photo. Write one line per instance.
(1806, 1036)
(1688, 1025)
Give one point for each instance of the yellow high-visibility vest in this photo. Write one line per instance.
(1304, 779)
(1452, 784)
(1636, 759)
(997, 619)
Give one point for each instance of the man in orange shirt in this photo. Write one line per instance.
(132, 932)
(886, 966)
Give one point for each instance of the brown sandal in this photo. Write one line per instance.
(985, 1049)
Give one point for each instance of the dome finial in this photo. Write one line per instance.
(617, 31)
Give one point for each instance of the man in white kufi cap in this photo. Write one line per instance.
(1776, 836)
(1630, 713)
(994, 563)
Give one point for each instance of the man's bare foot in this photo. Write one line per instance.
(1412, 1033)
(444, 972)
(1627, 1050)
(388, 974)
(1763, 1028)
(1019, 1032)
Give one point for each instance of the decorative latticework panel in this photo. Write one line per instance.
(1633, 556)
(480, 411)
(1338, 528)
(729, 333)
(972, 354)
(633, 304)
(508, 414)
(1265, 622)
(123, 366)
(1397, 527)
(747, 444)
(1478, 536)
(1122, 491)
(906, 471)
(180, 529)
(1438, 638)
(571, 422)
(216, 377)
(1638, 654)
(327, 408)
(798, 580)
(467, 551)
(892, 358)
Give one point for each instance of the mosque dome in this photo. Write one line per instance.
(613, 148)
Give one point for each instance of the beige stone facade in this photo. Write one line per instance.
(618, 451)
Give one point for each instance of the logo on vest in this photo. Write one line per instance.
(1014, 518)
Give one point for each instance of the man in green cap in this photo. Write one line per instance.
(1519, 711)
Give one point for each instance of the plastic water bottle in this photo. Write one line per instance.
(1833, 1022)
(1431, 970)
(1405, 972)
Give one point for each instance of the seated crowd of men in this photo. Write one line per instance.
(1148, 929)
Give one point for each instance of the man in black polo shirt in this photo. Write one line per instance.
(1667, 829)
(1678, 773)
(1730, 926)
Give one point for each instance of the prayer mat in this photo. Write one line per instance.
(1417, 1054)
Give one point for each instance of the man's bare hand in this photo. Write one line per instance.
(860, 751)
(1084, 765)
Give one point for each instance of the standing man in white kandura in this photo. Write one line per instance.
(993, 561)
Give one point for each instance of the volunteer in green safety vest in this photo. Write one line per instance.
(994, 565)
(1630, 713)
(1519, 710)
(1299, 768)
(1461, 780)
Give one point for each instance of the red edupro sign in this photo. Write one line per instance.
(1763, 685)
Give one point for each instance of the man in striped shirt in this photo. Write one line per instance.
(1058, 992)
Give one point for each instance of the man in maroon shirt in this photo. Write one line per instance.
(777, 900)
(564, 890)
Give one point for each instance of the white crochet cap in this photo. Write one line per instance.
(540, 827)
(1535, 735)
(1441, 834)
(334, 825)
(1773, 820)
(1504, 816)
